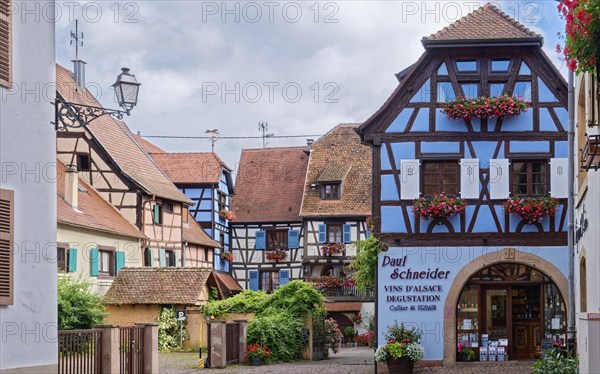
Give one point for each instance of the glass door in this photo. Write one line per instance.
(496, 325)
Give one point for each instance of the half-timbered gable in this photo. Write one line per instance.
(419, 151)
(108, 157)
(337, 199)
(206, 180)
(267, 203)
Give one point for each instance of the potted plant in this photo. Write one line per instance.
(357, 318)
(227, 256)
(402, 350)
(227, 214)
(531, 209)
(256, 355)
(349, 332)
(582, 34)
(276, 255)
(439, 206)
(465, 351)
(331, 249)
(485, 107)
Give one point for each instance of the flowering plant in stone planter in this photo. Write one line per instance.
(256, 354)
(582, 38)
(330, 249)
(402, 350)
(485, 107)
(439, 206)
(227, 214)
(227, 256)
(464, 349)
(531, 209)
(276, 255)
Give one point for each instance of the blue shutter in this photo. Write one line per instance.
(120, 260)
(253, 281)
(177, 259)
(284, 277)
(94, 257)
(322, 234)
(347, 233)
(261, 240)
(156, 214)
(151, 257)
(72, 260)
(162, 258)
(293, 239)
(368, 234)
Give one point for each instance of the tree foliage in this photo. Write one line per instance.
(78, 307)
(280, 331)
(365, 262)
(168, 330)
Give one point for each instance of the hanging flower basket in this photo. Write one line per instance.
(227, 256)
(485, 107)
(332, 249)
(439, 206)
(582, 34)
(227, 214)
(531, 209)
(276, 255)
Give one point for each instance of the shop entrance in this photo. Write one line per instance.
(513, 307)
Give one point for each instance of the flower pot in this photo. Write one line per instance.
(256, 361)
(400, 366)
(465, 357)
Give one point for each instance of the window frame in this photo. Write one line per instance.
(336, 191)
(112, 262)
(338, 225)
(170, 259)
(467, 59)
(168, 207)
(147, 257)
(88, 160)
(273, 279)
(268, 241)
(8, 19)
(529, 162)
(440, 182)
(64, 247)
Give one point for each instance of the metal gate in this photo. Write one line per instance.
(80, 351)
(232, 341)
(131, 349)
(318, 337)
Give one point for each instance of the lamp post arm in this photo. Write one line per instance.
(80, 115)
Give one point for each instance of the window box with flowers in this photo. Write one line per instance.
(276, 255)
(439, 206)
(227, 214)
(582, 40)
(226, 256)
(329, 285)
(331, 249)
(485, 107)
(256, 355)
(531, 209)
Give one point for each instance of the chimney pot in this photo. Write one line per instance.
(71, 186)
(79, 72)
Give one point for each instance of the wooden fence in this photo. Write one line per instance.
(80, 351)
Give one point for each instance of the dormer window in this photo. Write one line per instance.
(330, 191)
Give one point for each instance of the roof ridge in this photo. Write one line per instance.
(274, 148)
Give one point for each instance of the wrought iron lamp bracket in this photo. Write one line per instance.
(71, 115)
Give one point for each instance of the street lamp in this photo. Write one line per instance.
(76, 115)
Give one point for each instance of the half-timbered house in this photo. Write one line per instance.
(484, 274)
(109, 159)
(266, 235)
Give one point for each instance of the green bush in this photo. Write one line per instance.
(245, 302)
(280, 331)
(168, 330)
(78, 307)
(557, 362)
(365, 262)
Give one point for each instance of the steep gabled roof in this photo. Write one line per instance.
(149, 147)
(119, 143)
(93, 212)
(192, 168)
(483, 24)
(339, 156)
(193, 233)
(147, 285)
(269, 184)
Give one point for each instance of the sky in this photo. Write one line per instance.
(301, 66)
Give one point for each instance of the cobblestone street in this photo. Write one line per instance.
(349, 360)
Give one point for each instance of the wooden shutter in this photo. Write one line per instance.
(7, 232)
(322, 234)
(499, 179)
(409, 179)
(253, 280)
(156, 214)
(293, 239)
(94, 261)
(559, 180)
(347, 233)
(5, 43)
(469, 178)
(261, 240)
(152, 257)
(162, 258)
(72, 260)
(119, 261)
(177, 259)
(284, 277)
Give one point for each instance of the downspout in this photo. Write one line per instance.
(571, 210)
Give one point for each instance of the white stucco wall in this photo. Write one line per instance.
(27, 160)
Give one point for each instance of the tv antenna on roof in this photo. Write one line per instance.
(77, 39)
(264, 127)
(214, 134)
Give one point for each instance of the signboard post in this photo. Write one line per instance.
(181, 316)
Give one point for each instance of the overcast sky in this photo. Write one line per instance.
(301, 66)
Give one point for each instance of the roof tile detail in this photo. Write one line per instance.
(193, 168)
(149, 147)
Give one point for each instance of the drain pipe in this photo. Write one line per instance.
(571, 210)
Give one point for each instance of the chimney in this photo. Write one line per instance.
(309, 142)
(71, 186)
(79, 72)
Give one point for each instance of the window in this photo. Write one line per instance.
(277, 239)
(62, 259)
(170, 258)
(464, 66)
(106, 262)
(83, 162)
(529, 178)
(206, 254)
(269, 280)
(148, 257)
(157, 214)
(440, 176)
(582, 286)
(7, 213)
(5, 43)
(222, 200)
(330, 191)
(168, 207)
(335, 233)
(500, 65)
(185, 214)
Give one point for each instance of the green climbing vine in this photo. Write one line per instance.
(365, 262)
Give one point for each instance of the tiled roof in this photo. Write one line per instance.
(334, 172)
(269, 184)
(196, 168)
(343, 306)
(226, 284)
(147, 285)
(485, 23)
(93, 212)
(117, 140)
(339, 149)
(193, 233)
(149, 147)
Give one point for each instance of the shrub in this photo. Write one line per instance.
(78, 307)
(365, 262)
(168, 330)
(280, 331)
(333, 335)
(557, 362)
(296, 297)
(245, 302)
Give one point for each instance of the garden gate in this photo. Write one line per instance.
(131, 349)
(80, 351)
(318, 337)
(232, 342)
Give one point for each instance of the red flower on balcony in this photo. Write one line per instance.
(485, 107)
(227, 256)
(227, 214)
(531, 209)
(582, 34)
(327, 281)
(331, 249)
(439, 206)
(276, 255)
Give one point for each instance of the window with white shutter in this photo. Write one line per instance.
(7, 229)
(469, 178)
(5, 43)
(409, 179)
(499, 179)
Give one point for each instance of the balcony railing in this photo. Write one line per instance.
(347, 292)
(590, 154)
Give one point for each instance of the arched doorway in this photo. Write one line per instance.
(343, 321)
(513, 305)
